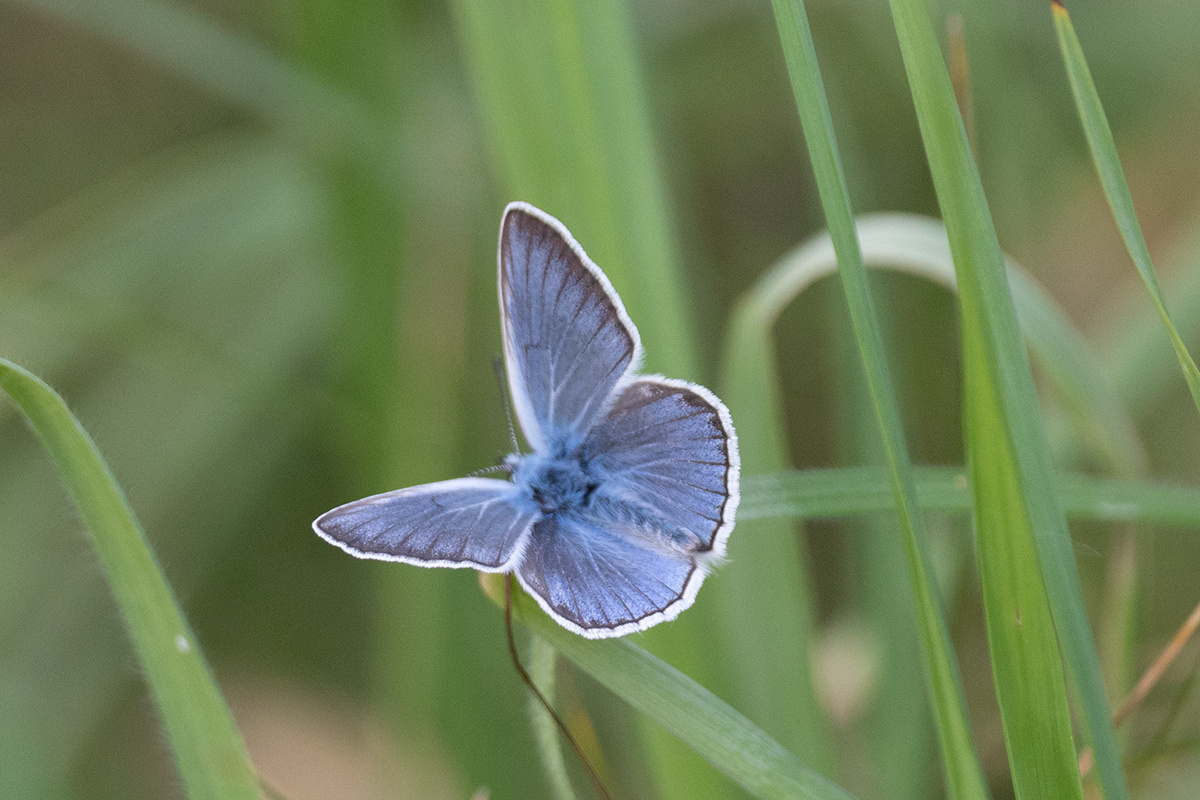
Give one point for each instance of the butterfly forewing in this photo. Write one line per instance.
(670, 445)
(600, 582)
(467, 522)
(567, 339)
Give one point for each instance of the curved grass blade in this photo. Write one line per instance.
(963, 775)
(85, 287)
(700, 719)
(766, 586)
(1023, 543)
(1116, 189)
(917, 245)
(208, 747)
(763, 574)
(847, 491)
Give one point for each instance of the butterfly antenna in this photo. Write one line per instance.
(486, 470)
(562, 726)
(498, 366)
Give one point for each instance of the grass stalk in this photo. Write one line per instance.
(207, 745)
(1023, 542)
(964, 778)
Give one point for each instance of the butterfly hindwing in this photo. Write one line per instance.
(467, 522)
(567, 338)
(599, 582)
(670, 445)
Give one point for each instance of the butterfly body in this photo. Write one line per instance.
(629, 495)
(574, 489)
(555, 484)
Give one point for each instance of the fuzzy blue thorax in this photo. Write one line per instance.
(556, 484)
(569, 485)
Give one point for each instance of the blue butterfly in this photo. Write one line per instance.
(629, 495)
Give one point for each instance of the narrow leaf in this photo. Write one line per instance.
(848, 491)
(766, 587)
(208, 747)
(964, 778)
(1116, 189)
(1017, 507)
(700, 719)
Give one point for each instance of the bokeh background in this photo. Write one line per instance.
(253, 245)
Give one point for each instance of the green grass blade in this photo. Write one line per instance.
(847, 491)
(765, 588)
(964, 778)
(567, 121)
(700, 719)
(1026, 665)
(208, 747)
(206, 341)
(543, 660)
(1024, 544)
(1141, 364)
(1116, 189)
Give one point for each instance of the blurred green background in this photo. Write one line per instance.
(253, 245)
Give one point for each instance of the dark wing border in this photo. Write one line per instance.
(714, 536)
(733, 469)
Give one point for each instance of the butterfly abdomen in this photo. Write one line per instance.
(636, 518)
(565, 486)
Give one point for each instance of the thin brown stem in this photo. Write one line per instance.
(562, 726)
(1164, 660)
(1149, 679)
